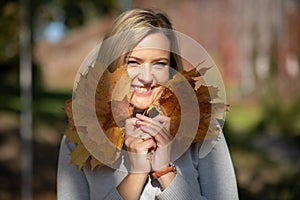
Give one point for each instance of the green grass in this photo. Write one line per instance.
(242, 118)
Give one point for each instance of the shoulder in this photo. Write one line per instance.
(205, 146)
(66, 146)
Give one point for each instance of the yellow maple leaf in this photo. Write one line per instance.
(80, 155)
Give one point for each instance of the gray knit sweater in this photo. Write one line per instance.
(204, 171)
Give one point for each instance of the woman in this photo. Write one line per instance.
(150, 61)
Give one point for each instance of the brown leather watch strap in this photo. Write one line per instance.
(158, 174)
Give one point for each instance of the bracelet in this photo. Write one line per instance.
(158, 174)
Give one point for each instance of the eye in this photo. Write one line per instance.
(160, 64)
(132, 63)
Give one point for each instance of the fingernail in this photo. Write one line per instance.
(139, 115)
(138, 122)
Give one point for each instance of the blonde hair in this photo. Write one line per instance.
(129, 29)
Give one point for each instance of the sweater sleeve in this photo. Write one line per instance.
(179, 190)
(216, 173)
(113, 195)
(71, 182)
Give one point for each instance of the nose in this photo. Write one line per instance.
(146, 75)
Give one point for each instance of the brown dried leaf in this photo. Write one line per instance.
(121, 87)
(110, 150)
(116, 136)
(112, 86)
(168, 101)
(203, 70)
(171, 108)
(68, 111)
(72, 135)
(95, 163)
(209, 111)
(121, 110)
(116, 84)
(89, 86)
(190, 74)
(80, 155)
(206, 94)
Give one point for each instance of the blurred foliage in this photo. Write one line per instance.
(281, 118)
(280, 105)
(9, 53)
(71, 13)
(9, 17)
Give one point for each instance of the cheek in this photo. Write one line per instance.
(162, 76)
(132, 72)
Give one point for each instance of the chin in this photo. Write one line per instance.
(142, 105)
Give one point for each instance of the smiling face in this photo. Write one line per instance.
(148, 67)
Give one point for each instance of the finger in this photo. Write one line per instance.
(139, 145)
(130, 125)
(144, 135)
(136, 133)
(129, 140)
(155, 125)
(149, 143)
(158, 127)
(166, 121)
(166, 125)
(151, 129)
(159, 121)
(162, 137)
(143, 118)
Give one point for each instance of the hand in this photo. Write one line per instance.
(159, 129)
(138, 143)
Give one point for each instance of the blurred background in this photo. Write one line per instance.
(255, 44)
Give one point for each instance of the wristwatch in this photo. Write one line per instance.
(158, 174)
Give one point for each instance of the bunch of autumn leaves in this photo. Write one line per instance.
(112, 107)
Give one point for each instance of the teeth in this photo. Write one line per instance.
(141, 89)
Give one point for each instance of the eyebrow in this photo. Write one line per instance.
(139, 59)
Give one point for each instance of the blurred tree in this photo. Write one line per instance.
(70, 14)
